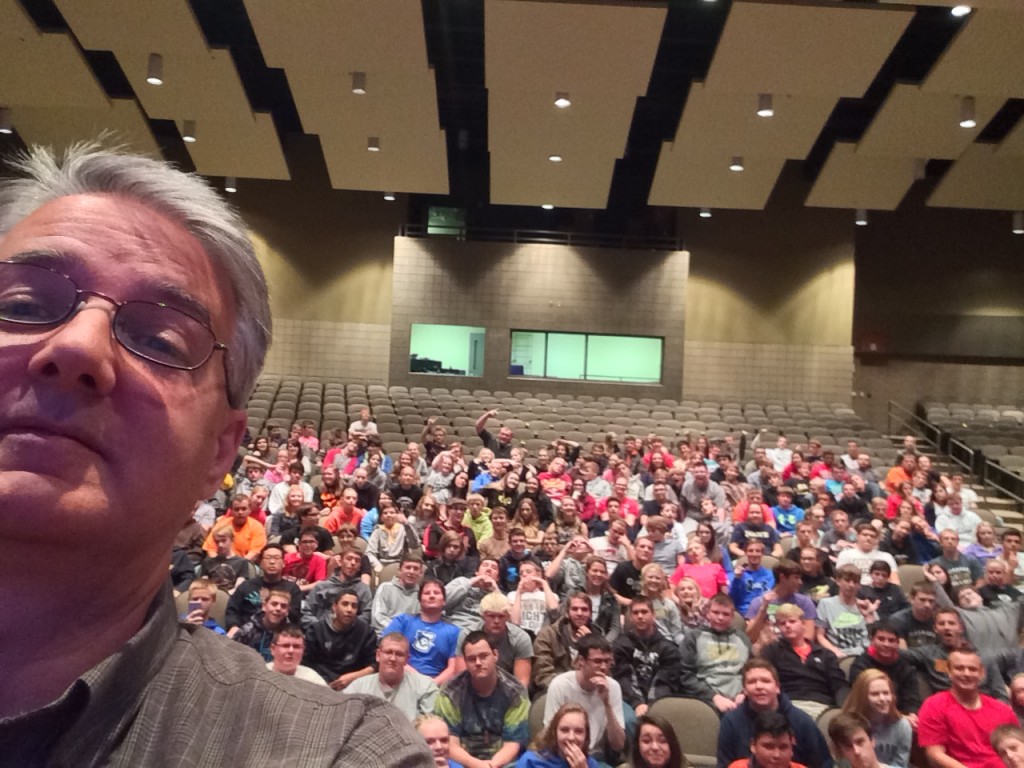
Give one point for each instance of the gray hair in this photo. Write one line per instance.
(88, 168)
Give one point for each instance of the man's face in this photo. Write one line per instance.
(1011, 752)
(275, 607)
(947, 627)
(348, 498)
(240, 511)
(772, 751)
(755, 554)
(329, 475)
(886, 645)
(965, 671)
(481, 661)
(81, 417)
(923, 605)
(700, 475)
(495, 623)
(642, 617)
(841, 522)
(517, 544)
(863, 461)
(505, 435)
(791, 628)
(755, 515)
(809, 563)
(287, 653)
(346, 608)
(995, 574)
(410, 573)
(224, 544)
(392, 656)
(596, 662)
(360, 476)
(761, 689)
(719, 617)
(867, 539)
(579, 612)
(860, 753)
(432, 597)
(949, 541)
(350, 563)
(1011, 544)
(203, 598)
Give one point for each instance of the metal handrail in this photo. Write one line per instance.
(961, 453)
(908, 421)
(1006, 482)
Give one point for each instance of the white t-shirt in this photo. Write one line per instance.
(302, 673)
(612, 555)
(533, 610)
(564, 689)
(863, 560)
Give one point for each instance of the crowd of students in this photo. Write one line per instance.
(613, 576)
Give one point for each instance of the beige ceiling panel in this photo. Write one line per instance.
(986, 57)
(59, 127)
(728, 122)
(319, 44)
(200, 83)
(602, 56)
(982, 179)
(795, 48)
(917, 123)
(687, 176)
(42, 70)
(851, 179)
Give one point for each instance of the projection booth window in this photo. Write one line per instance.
(586, 357)
(451, 350)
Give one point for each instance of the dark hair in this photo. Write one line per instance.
(642, 600)
(844, 727)
(772, 723)
(347, 591)
(309, 530)
(429, 580)
(278, 547)
(306, 509)
(296, 466)
(922, 588)
(477, 636)
(881, 565)
(592, 642)
(758, 663)
(288, 630)
(412, 556)
(785, 567)
(675, 752)
(883, 625)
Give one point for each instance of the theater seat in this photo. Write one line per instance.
(696, 726)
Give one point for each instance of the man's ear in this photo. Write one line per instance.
(226, 441)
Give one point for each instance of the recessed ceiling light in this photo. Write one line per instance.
(705, 213)
(562, 100)
(555, 158)
(548, 207)
(155, 69)
(960, 10)
(736, 164)
(389, 196)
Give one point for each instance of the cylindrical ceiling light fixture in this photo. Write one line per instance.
(188, 132)
(359, 83)
(861, 219)
(967, 116)
(155, 69)
(737, 164)
(765, 107)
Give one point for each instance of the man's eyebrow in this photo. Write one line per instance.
(162, 292)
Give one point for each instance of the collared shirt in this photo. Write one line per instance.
(178, 695)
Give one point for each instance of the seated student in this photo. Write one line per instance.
(508, 565)
(1008, 742)
(762, 694)
(591, 685)
(563, 743)
(865, 553)
(712, 658)
(391, 540)
(916, 625)
(555, 647)
(413, 693)
(988, 629)
(709, 575)
(534, 603)
(997, 587)
(226, 569)
(647, 664)
(786, 513)
(514, 646)
(625, 579)
(398, 596)
(754, 529)
(884, 655)
(873, 697)
(840, 537)
(250, 537)
(843, 620)
(307, 566)
(815, 583)
(655, 745)
(808, 673)
(258, 632)
(486, 709)
(432, 640)
(963, 570)
(341, 647)
(462, 607)
(889, 596)
(434, 731)
(771, 744)
(760, 613)
(954, 725)
(286, 650)
(614, 547)
(497, 544)
(669, 552)
(751, 579)
(202, 594)
(855, 742)
(320, 599)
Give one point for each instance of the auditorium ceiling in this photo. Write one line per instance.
(454, 101)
